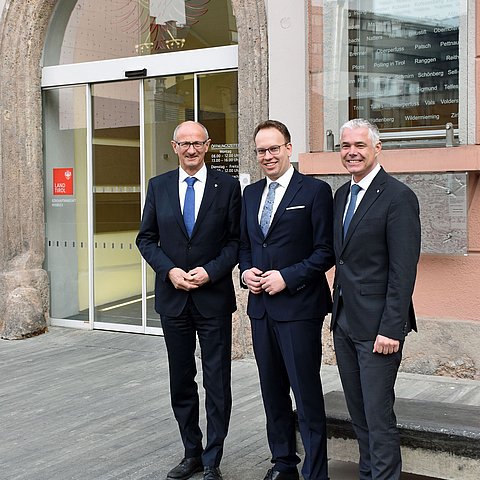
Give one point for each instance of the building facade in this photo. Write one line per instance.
(90, 96)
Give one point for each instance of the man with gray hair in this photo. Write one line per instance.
(377, 247)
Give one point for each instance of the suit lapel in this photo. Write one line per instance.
(341, 202)
(173, 196)
(371, 195)
(292, 189)
(256, 194)
(212, 186)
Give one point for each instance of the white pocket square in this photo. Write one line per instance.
(296, 207)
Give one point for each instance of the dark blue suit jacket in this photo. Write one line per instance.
(299, 244)
(377, 262)
(164, 243)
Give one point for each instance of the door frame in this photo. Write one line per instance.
(166, 64)
(160, 65)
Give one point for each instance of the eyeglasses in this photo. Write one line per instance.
(274, 150)
(196, 145)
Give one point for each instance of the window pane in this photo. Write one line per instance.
(394, 63)
(89, 30)
(66, 259)
(218, 111)
(168, 102)
(116, 202)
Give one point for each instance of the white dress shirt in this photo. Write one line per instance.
(198, 186)
(364, 183)
(283, 183)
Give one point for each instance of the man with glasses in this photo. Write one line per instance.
(286, 246)
(190, 236)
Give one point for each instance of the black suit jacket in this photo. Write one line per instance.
(164, 243)
(376, 264)
(299, 244)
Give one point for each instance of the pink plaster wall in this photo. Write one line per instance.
(448, 287)
(315, 49)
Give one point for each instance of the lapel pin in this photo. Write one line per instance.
(216, 185)
(378, 191)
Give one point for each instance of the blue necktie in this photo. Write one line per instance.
(351, 208)
(189, 205)
(268, 208)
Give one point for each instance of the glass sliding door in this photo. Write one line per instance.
(167, 102)
(103, 142)
(209, 98)
(107, 132)
(117, 276)
(66, 203)
(218, 110)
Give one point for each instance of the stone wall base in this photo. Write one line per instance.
(441, 347)
(24, 309)
(441, 465)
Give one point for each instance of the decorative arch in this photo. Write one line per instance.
(24, 290)
(23, 282)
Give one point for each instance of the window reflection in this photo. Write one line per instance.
(88, 30)
(404, 64)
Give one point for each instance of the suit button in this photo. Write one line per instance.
(340, 262)
(264, 245)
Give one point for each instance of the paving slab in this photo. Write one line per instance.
(94, 405)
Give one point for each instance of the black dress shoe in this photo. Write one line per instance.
(212, 473)
(276, 475)
(185, 469)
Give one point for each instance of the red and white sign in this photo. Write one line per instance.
(63, 181)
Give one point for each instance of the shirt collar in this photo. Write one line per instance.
(201, 175)
(284, 180)
(365, 182)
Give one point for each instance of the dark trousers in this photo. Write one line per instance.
(215, 338)
(288, 355)
(368, 381)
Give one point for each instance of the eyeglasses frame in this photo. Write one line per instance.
(197, 144)
(269, 149)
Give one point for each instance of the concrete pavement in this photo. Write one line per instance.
(94, 405)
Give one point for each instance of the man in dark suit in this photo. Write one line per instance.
(193, 256)
(377, 247)
(285, 250)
